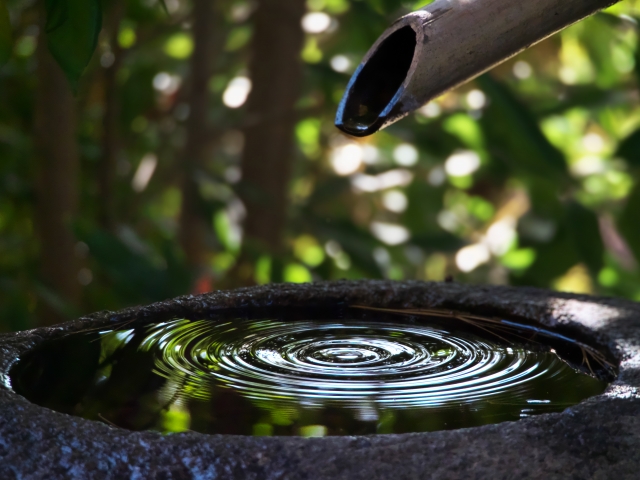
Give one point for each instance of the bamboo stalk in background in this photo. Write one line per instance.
(110, 122)
(58, 166)
(275, 69)
(208, 41)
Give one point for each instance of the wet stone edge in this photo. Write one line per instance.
(611, 322)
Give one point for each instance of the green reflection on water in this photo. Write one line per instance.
(308, 376)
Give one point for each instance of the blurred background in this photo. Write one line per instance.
(199, 153)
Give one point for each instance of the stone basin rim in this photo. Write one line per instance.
(612, 323)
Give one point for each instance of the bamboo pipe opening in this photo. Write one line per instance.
(443, 45)
(377, 84)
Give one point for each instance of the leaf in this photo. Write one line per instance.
(581, 96)
(57, 14)
(585, 232)
(598, 35)
(629, 221)
(544, 199)
(357, 243)
(552, 260)
(164, 6)
(384, 7)
(629, 149)
(5, 34)
(514, 134)
(134, 275)
(72, 30)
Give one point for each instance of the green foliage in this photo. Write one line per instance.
(138, 276)
(529, 175)
(72, 31)
(6, 40)
(515, 135)
(163, 3)
(629, 221)
(583, 226)
(629, 149)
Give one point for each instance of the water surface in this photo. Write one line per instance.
(308, 373)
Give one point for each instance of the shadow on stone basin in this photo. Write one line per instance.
(598, 438)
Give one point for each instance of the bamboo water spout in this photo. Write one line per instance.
(447, 43)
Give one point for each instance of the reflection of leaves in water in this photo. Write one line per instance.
(175, 419)
(41, 381)
(127, 396)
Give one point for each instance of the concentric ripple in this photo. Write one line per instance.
(318, 377)
(316, 362)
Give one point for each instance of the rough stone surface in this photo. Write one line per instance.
(599, 438)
